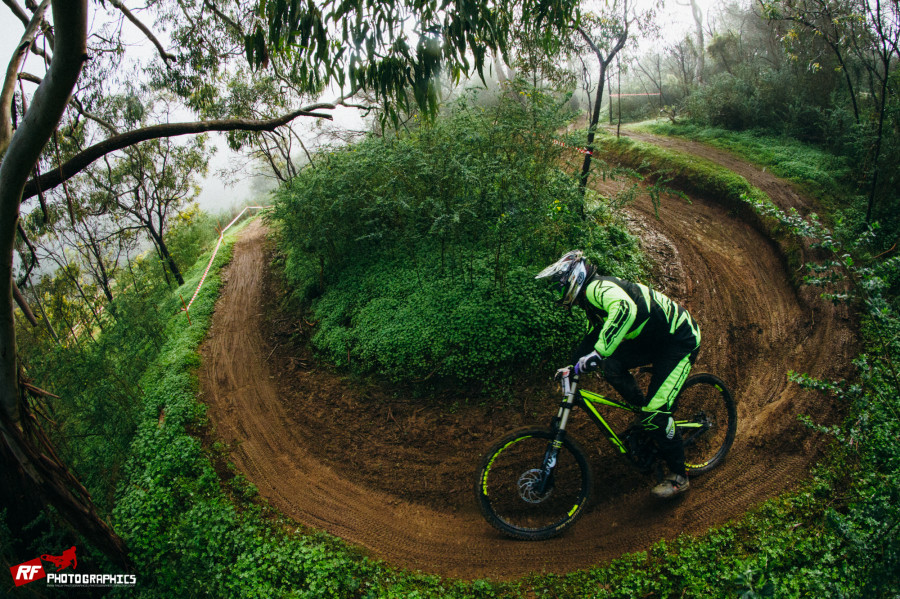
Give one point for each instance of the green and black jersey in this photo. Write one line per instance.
(630, 311)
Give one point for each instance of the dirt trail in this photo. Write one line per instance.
(394, 476)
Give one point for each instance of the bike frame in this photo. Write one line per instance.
(589, 401)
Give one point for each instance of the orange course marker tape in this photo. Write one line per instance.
(213, 257)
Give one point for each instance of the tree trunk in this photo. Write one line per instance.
(850, 90)
(592, 128)
(618, 100)
(609, 87)
(46, 319)
(879, 136)
(598, 100)
(701, 49)
(164, 252)
(102, 277)
(89, 302)
(27, 455)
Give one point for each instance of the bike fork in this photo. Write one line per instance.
(559, 422)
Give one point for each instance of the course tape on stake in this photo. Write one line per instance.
(216, 251)
(582, 150)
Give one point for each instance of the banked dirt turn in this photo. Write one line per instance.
(313, 447)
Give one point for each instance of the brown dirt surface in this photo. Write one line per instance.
(394, 474)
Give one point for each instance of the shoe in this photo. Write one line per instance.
(674, 484)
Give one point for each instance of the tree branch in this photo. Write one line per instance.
(228, 21)
(20, 300)
(23, 76)
(31, 249)
(23, 16)
(89, 115)
(12, 74)
(18, 11)
(309, 157)
(590, 42)
(80, 161)
(146, 30)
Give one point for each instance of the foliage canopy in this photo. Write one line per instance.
(391, 47)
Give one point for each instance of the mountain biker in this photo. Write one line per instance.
(632, 325)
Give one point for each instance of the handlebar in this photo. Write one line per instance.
(567, 377)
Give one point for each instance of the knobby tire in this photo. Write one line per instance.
(510, 464)
(705, 400)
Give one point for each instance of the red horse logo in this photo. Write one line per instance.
(63, 561)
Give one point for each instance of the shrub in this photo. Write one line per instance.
(419, 250)
(412, 325)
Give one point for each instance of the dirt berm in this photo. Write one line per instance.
(394, 475)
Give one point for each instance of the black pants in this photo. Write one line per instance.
(671, 365)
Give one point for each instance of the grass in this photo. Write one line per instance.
(823, 175)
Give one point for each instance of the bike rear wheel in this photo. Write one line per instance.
(510, 479)
(706, 417)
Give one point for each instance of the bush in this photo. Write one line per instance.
(418, 252)
(409, 325)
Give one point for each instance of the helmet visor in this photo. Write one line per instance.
(570, 272)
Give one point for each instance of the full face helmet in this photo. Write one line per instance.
(570, 272)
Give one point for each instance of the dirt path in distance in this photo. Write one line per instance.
(393, 475)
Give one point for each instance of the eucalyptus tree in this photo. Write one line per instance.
(604, 34)
(386, 48)
(92, 238)
(100, 245)
(651, 67)
(832, 21)
(864, 39)
(149, 184)
(392, 48)
(880, 54)
(699, 48)
(681, 61)
(68, 268)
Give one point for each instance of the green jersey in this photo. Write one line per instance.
(630, 311)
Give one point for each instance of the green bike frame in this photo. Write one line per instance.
(589, 401)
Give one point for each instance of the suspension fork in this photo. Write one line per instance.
(559, 424)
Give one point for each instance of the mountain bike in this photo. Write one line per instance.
(535, 482)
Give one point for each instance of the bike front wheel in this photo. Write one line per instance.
(706, 417)
(515, 495)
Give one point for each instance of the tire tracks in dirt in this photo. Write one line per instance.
(755, 326)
